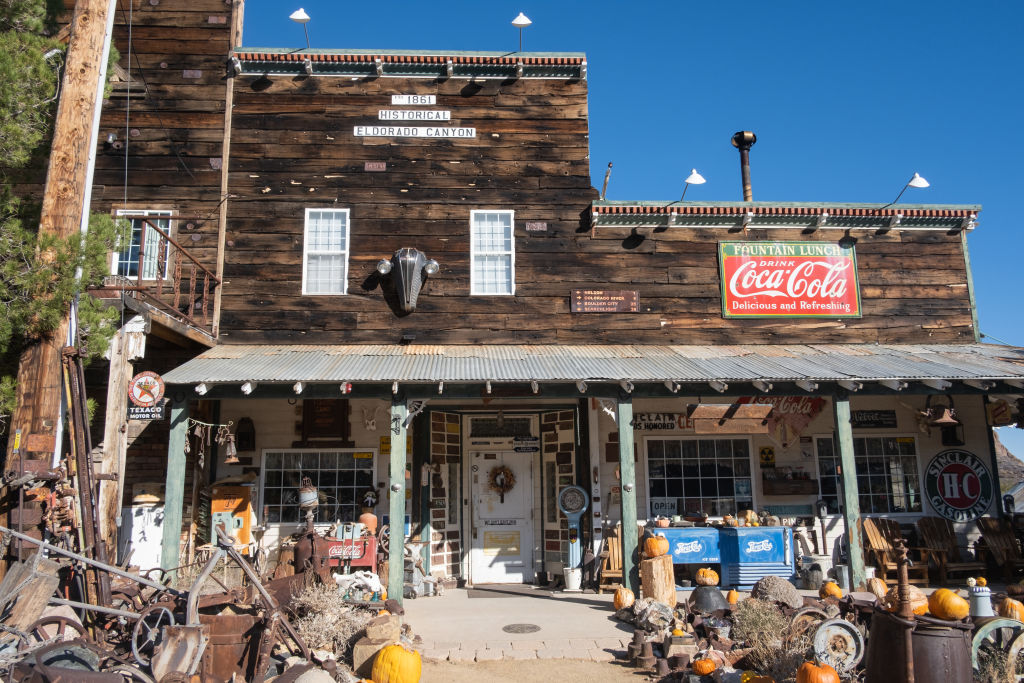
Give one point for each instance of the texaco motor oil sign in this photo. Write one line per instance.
(958, 485)
(788, 279)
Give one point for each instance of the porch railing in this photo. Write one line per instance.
(168, 277)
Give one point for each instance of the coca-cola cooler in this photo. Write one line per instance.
(751, 553)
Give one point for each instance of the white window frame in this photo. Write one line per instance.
(116, 261)
(475, 251)
(307, 252)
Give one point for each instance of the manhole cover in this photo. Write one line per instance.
(521, 628)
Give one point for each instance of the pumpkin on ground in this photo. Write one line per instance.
(623, 598)
(707, 577)
(702, 667)
(945, 604)
(678, 632)
(1011, 609)
(809, 672)
(655, 546)
(918, 600)
(396, 664)
(732, 596)
(830, 589)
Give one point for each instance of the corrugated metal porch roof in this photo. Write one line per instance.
(549, 363)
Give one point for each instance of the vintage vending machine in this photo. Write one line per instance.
(232, 507)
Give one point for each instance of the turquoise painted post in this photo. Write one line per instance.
(851, 499)
(396, 498)
(174, 493)
(627, 469)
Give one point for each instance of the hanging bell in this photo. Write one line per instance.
(946, 419)
(230, 452)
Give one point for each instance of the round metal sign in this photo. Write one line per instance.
(572, 499)
(146, 389)
(958, 485)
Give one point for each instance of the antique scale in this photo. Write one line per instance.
(573, 501)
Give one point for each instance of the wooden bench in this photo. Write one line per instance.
(610, 576)
(938, 536)
(1001, 544)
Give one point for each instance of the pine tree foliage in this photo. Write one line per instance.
(39, 274)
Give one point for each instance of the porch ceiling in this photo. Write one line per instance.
(607, 363)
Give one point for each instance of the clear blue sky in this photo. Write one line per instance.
(848, 100)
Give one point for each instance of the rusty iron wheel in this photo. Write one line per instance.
(146, 634)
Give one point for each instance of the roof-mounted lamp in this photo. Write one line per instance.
(915, 181)
(521, 22)
(693, 179)
(299, 16)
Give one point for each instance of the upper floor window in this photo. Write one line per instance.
(493, 262)
(325, 252)
(149, 253)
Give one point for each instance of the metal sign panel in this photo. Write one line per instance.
(604, 301)
(788, 280)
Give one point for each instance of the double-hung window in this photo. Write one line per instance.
(492, 270)
(150, 254)
(325, 252)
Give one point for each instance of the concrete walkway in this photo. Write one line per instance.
(457, 627)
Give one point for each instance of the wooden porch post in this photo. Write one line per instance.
(396, 498)
(630, 571)
(174, 494)
(851, 500)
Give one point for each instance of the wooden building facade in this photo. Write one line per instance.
(418, 290)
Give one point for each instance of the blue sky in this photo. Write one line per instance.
(848, 100)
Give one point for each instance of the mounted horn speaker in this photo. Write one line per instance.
(944, 417)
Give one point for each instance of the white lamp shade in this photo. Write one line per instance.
(918, 181)
(299, 16)
(694, 178)
(522, 21)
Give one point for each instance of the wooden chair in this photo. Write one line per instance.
(880, 536)
(1001, 544)
(938, 536)
(610, 577)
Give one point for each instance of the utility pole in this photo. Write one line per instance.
(35, 428)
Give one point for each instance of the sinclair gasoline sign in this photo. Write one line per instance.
(958, 485)
(788, 280)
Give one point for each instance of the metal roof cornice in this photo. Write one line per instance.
(412, 64)
(816, 215)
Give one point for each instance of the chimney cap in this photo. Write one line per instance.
(743, 139)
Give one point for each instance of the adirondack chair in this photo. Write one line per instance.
(880, 536)
(1001, 544)
(610, 577)
(938, 536)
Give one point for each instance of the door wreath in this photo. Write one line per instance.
(502, 480)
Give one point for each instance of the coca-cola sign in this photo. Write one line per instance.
(788, 279)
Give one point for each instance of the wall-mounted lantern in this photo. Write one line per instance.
(410, 266)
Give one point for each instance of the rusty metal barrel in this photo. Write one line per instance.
(942, 649)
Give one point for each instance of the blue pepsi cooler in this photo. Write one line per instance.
(751, 553)
(692, 545)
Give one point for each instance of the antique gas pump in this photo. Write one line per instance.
(573, 502)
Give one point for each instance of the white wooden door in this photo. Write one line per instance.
(502, 531)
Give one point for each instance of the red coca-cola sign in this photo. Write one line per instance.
(788, 279)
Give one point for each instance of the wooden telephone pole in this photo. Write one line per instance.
(35, 423)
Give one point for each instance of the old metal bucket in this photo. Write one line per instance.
(941, 649)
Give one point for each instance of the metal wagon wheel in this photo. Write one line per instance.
(998, 637)
(148, 632)
(52, 628)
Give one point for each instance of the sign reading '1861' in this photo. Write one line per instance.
(604, 301)
(788, 279)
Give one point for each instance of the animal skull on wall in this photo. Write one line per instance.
(370, 419)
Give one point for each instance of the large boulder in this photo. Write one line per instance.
(777, 589)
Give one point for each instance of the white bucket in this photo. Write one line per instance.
(573, 578)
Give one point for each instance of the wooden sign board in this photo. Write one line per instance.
(375, 166)
(730, 426)
(604, 301)
(722, 411)
(536, 226)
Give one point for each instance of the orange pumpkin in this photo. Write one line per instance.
(809, 672)
(623, 598)
(1011, 609)
(918, 600)
(383, 613)
(732, 597)
(397, 664)
(945, 604)
(655, 546)
(707, 577)
(702, 667)
(981, 581)
(678, 632)
(830, 589)
(878, 587)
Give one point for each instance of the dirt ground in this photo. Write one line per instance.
(532, 671)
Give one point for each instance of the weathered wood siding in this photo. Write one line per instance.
(293, 148)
